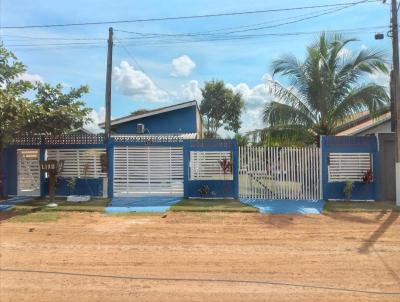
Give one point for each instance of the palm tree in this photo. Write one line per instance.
(325, 89)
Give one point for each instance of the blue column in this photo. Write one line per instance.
(110, 174)
(4, 171)
(376, 169)
(324, 167)
(42, 156)
(235, 158)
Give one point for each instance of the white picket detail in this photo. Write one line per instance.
(279, 173)
(79, 162)
(348, 166)
(205, 165)
(146, 171)
(28, 181)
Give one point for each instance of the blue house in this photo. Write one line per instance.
(182, 119)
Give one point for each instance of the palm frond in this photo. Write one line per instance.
(371, 97)
(276, 113)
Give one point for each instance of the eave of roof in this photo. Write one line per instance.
(359, 118)
(366, 125)
(150, 113)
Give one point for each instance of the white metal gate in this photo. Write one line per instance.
(146, 171)
(28, 180)
(279, 173)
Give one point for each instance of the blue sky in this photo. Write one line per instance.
(150, 73)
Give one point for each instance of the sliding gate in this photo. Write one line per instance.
(148, 171)
(279, 173)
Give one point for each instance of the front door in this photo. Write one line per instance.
(28, 172)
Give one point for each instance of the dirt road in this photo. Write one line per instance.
(202, 257)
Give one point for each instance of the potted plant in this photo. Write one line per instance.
(348, 189)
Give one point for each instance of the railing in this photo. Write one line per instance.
(63, 139)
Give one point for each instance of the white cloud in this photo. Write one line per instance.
(191, 91)
(97, 117)
(33, 78)
(135, 83)
(182, 66)
(255, 98)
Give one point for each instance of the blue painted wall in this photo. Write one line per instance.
(9, 158)
(84, 186)
(228, 188)
(349, 144)
(220, 188)
(177, 121)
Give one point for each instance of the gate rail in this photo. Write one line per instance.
(279, 173)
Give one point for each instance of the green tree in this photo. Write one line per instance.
(14, 108)
(325, 89)
(242, 140)
(56, 112)
(220, 107)
(51, 112)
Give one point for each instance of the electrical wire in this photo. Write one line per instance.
(187, 17)
(221, 29)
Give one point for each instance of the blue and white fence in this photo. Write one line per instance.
(123, 166)
(174, 166)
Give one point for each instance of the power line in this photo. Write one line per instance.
(173, 40)
(154, 35)
(252, 36)
(187, 17)
(213, 31)
(55, 38)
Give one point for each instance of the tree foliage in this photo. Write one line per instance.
(221, 107)
(51, 111)
(325, 89)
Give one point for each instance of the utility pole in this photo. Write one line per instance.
(395, 91)
(108, 84)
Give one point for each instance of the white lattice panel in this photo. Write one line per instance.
(79, 162)
(348, 166)
(141, 171)
(206, 165)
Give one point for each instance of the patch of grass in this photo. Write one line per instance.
(357, 206)
(36, 217)
(94, 205)
(212, 205)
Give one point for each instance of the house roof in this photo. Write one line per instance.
(365, 124)
(136, 116)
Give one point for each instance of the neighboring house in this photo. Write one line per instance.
(182, 119)
(254, 136)
(363, 124)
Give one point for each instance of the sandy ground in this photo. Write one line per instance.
(202, 257)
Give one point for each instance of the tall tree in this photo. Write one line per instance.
(51, 112)
(14, 107)
(220, 107)
(56, 111)
(325, 89)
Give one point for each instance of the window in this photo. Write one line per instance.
(79, 162)
(348, 166)
(209, 165)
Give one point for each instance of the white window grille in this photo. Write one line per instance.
(348, 166)
(79, 162)
(207, 165)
